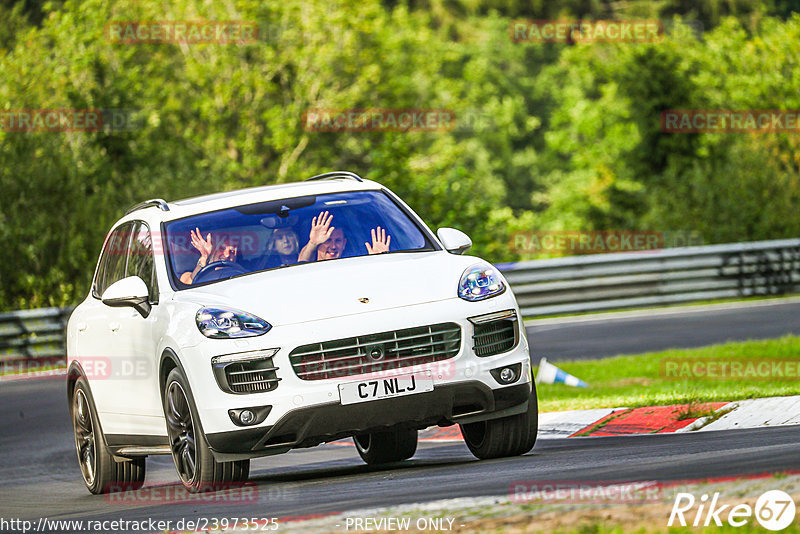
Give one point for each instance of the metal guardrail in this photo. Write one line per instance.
(32, 335)
(572, 284)
(599, 282)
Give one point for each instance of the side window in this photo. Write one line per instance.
(140, 259)
(114, 259)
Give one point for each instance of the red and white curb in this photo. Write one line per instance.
(566, 424)
(751, 413)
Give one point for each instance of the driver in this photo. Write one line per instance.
(224, 251)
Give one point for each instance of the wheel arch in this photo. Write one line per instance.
(169, 361)
(74, 372)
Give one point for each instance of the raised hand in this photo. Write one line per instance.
(321, 228)
(380, 241)
(203, 246)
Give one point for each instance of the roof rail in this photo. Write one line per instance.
(336, 174)
(161, 203)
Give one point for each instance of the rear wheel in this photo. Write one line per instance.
(193, 459)
(101, 472)
(389, 446)
(507, 436)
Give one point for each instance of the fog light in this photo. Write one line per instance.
(507, 375)
(247, 417)
(254, 415)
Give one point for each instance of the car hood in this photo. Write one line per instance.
(321, 290)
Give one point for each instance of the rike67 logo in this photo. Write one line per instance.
(774, 510)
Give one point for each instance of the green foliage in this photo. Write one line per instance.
(610, 166)
(549, 136)
(217, 117)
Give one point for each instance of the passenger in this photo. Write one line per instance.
(328, 242)
(224, 251)
(282, 248)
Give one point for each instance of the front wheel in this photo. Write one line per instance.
(507, 436)
(385, 447)
(101, 472)
(196, 466)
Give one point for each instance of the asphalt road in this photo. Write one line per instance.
(39, 474)
(608, 336)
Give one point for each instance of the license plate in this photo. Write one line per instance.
(384, 388)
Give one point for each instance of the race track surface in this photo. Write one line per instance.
(608, 336)
(39, 475)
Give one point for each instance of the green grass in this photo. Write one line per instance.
(640, 381)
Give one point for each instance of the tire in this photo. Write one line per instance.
(194, 461)
(385, 447)
(100, 471)
(507, 436)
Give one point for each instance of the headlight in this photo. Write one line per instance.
(480, 282)
(224, 324)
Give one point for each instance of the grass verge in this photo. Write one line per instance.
(668, 377)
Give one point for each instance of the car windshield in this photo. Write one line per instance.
(281, 233)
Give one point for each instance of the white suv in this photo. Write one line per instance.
(248, 323)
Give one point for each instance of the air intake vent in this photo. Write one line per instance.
(374, 353)
(250, 376)
(494, 337)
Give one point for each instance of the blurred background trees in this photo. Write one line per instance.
(548, 136)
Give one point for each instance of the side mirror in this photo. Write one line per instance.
(130, 291)
(454, 241)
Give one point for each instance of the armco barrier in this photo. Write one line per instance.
(572, 284)
(32, 335)
(599, 282)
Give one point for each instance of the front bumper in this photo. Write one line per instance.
(466, 371)
(310, 426)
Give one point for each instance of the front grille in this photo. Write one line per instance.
(494, 337)
(374, 353)
(251, 376)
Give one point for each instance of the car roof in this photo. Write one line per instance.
(237, 193)
(166, 211)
